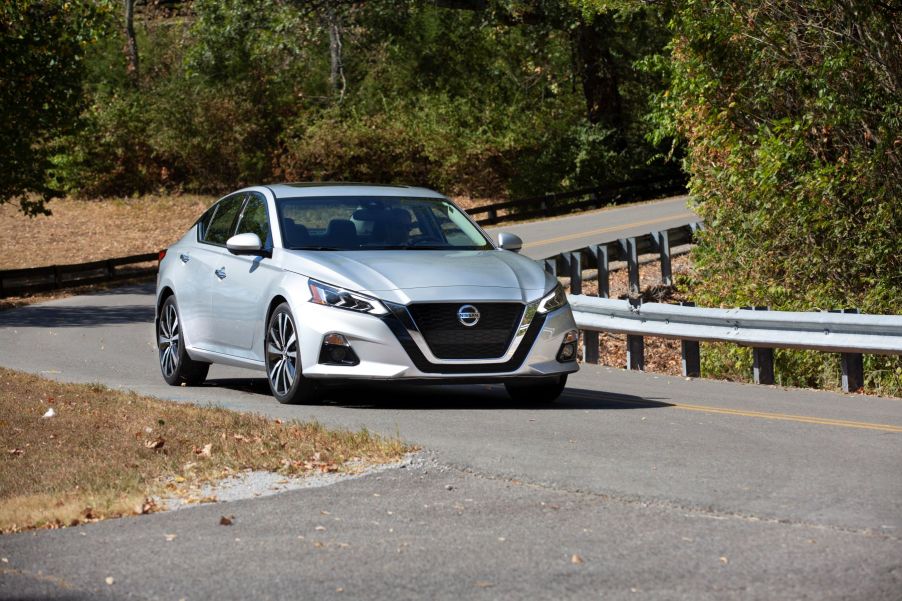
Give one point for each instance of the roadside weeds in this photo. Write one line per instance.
(106, 453)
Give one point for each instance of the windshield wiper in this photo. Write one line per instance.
(317, 248)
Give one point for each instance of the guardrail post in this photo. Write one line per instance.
(576, 271)
(551, 265)
(690, 354)
(57, 277)
(762, 360)
(628, 249)
(852, 367)
(635, 345)
(600, 252)
(662, 242)
(493, 215)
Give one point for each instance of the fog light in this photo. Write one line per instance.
(568, 348)
(337, 350)
(335, 340)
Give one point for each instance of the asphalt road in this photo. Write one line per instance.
(661, 488)
(545, 238)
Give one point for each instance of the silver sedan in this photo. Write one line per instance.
(323, 283)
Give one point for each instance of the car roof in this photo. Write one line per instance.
(312, 189)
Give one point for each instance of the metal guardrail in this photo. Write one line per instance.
(561, 203)
(599, 256)
(55, 277)
(850, 334)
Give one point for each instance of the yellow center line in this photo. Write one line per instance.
(603, 230)
(804, 419)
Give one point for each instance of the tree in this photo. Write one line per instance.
(42, 50)
(792, 111)
(131, 43)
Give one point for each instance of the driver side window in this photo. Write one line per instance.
(255, 220)
(220, 228)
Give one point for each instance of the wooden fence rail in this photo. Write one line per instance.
(561, 203)
(55, 277)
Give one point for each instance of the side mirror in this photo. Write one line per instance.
(510, 242)
(245, 244)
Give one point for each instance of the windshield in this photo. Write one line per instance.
(376, 223)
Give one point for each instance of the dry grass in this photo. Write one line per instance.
(90, 230)
(107, 453)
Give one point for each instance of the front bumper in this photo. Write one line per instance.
(386, 350)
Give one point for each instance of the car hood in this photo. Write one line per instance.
(421, 275)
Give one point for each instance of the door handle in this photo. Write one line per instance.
(220, 273)
(185, 258)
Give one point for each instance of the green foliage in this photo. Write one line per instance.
(42, 49)
(466, 101)
(793, 117)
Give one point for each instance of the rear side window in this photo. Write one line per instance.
(220, 228)
(254, 220)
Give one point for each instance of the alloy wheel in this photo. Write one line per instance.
(282, 353)
(168, 339)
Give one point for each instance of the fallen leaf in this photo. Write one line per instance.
(226, 521)
(320, 528)
(110, 580)
(148, 506)
(156, 443)
(339, 590)
(576, 559)
(16, 452)
(724, 560)
(50, 413)
(484, 584)
(204, 452)
(170, 537)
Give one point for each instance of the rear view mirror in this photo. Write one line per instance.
(510, 242)
(245, 244)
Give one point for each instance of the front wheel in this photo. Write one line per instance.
(545, 390)
(283, 360)
(175, 364)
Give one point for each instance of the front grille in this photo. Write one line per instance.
(449, 339)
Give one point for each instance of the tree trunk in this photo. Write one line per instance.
(595, 65)
(337, 74)
(131, 44)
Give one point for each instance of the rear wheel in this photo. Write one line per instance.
(283, 360)
(175, 364)
(544, 390)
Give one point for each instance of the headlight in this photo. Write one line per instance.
(332, 296)
(553, 300)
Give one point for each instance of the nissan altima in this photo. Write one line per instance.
(325, 283)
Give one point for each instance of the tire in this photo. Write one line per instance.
(176, 366)
(283, 360)
(545, 390)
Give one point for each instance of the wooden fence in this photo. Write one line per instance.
(42, 279)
